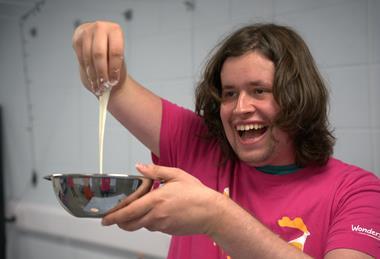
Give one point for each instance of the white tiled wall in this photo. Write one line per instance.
(337, 34)
(374, 89)
(374, 30)
(349, 96)
(167, 43)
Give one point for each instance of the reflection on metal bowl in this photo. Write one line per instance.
(95, 195)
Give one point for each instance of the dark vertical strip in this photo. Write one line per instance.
(2, 193)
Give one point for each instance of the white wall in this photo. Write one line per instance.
(53, 128)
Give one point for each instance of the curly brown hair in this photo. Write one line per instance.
(298, 88)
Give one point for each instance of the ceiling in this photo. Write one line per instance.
(14, 9)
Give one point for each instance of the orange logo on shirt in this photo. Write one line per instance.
(296, 223)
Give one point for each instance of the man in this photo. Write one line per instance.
(250, 174)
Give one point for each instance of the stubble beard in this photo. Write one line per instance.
(268, 152)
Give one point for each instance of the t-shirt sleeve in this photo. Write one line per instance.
(355, 221)
(179, 135)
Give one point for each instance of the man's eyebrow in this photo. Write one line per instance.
(250, 83)
(227, 86)
(259, 83)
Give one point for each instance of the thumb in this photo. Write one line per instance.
(156, 172)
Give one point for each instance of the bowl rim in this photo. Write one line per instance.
(96, 175)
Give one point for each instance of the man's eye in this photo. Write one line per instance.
(259, 91)
(228, 94)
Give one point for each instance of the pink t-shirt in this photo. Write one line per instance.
(315, 209)
(105, 184)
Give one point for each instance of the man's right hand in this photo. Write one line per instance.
(99, 47)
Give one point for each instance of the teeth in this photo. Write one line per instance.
(249, 127)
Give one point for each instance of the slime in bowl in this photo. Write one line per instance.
(95, 195)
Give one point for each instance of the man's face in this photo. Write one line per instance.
(248, 109)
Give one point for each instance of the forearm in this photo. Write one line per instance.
(240, 235)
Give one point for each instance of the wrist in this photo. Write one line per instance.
(220, 208)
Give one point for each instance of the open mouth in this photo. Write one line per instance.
(251, 130)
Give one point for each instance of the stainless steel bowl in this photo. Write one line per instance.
(95, 195)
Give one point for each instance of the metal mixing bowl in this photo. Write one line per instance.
(95, 195)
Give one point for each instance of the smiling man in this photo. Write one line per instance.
(248, 110)
(250, 173)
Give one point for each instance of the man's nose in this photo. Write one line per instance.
(244, 104)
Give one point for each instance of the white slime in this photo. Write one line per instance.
(103, 103)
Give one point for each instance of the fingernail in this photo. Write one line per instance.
(88, 71)
(113, 82)
(114, 77)
(141, 166)
(105, 222)
(107, 85)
